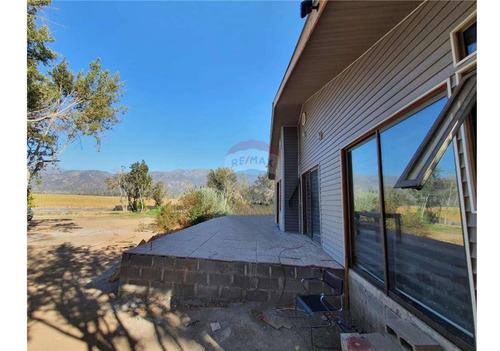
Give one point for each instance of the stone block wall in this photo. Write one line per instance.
(211, 280)
(370, 309)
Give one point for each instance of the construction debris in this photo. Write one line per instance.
(215, 326)
(116, 275)
(274, 320)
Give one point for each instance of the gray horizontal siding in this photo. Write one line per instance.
(411, 60)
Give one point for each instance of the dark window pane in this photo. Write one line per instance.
(315, 222)
(311, 203)
(367, 235)
(426, 255)
(470, 39)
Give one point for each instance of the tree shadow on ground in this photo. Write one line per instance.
(64, 225)
(56, 283)
(69, 292)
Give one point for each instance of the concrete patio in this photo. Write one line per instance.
(227, 258)
(240, 238)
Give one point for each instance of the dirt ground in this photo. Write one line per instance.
(72, 306)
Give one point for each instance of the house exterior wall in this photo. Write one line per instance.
(279, 176)
(287, 175)
(411, 60)
(290, 178)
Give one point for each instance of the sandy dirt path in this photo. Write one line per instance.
(95, 230)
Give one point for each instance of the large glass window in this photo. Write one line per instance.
(426, 255)
(422, 230)
(368, 248)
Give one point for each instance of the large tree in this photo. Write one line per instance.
(139, 185)
(262, 191)
(119, 183)
(225, 181)
(158, 192)
(63, 106)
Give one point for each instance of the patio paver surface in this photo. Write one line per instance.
(240, 238)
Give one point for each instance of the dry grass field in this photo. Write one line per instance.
(78, 201)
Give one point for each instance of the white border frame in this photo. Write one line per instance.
(463, 211)
(466, 142)
(457, 60)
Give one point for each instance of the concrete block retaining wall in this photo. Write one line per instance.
(371, 309)
(211, 280)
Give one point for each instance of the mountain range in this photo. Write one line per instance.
(92, 182)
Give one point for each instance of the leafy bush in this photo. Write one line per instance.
(203, 204)
(167, 218)
(246, 208)
(31, 199)
(366, 201)
(412, 223)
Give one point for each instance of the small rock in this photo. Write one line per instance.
(274, 320)
(215, 326)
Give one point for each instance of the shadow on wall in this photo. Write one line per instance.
(69, 292)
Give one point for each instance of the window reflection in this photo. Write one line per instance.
(368, 247)
(470, 39)
(427, 263)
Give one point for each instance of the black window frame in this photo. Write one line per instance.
(385, 286)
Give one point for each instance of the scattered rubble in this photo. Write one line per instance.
(215, 326)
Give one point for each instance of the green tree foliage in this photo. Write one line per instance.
(438, 192)
(63, 106)
(135, 185)
(158, 192)
(138, 185)
(366, 201)
(119, 183)
(203, 204)
(225, 181)
(31, 198)
(167, 219)
(262, 191)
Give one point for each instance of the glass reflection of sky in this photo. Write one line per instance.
(364, 159)
(400, 142)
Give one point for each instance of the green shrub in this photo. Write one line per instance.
(412, 223)
(31, 199)
(167, 218)
(203, 204)
(246, 208)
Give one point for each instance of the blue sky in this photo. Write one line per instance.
(200, 76)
